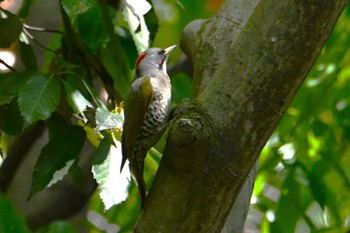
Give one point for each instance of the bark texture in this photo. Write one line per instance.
(249, 61)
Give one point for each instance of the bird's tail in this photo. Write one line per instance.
(138, 167)
(124, 156)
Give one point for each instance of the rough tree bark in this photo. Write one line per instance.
(249, 61)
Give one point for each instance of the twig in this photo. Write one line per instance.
(35, 41)
(7, 65)
(26, 26)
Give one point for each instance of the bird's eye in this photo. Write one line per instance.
(160, 52)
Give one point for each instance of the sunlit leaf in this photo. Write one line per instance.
(113, 185)
(76, 100)
(108, 120)
(133, 12)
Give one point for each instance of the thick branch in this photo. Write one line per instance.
(16, 153)
(249, 61)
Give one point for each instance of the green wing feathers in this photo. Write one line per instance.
(135, 109)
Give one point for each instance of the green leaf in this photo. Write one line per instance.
(27, 56)
(39, 98)
(74, 8)
(95, 97)
(290, 200)
(76, 100)
(133, 12)
(108, 120)
(12, 119)
(152, 23)
(59, 174)
(10, 219)
(113, 186)
(51, 58)
(10, 84)
(10, 27)
(59, 227)
(114, 59)
(23, 13)
(102, 150)
(65, 144)
(116, 55)
(91, 28)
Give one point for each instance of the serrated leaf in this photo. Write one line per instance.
(10, 27)
(108, 120)
(65, 144)
(39, 98)
(76, 100)
(10, 219)
(113, 186)
(10, 84)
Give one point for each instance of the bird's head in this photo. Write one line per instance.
(152, 60)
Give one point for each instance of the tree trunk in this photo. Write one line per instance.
(249, 61)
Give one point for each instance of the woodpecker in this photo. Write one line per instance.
(146, 111)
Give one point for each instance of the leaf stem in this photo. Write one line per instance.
(32, 28)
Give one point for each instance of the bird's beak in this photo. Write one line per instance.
(169, 49)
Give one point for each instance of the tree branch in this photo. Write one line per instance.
(16, 153)
(249, 61)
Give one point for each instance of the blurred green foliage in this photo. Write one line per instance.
(303, 182)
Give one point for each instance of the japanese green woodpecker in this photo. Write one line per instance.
(146, 111)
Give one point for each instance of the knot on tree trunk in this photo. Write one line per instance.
(191, 126)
